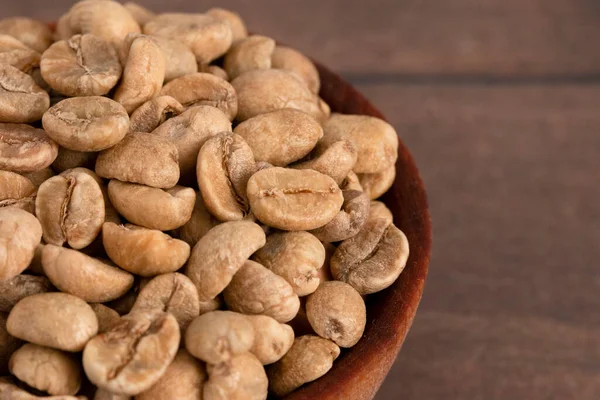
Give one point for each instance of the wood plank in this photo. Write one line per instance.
(510, 308)
(402, 38)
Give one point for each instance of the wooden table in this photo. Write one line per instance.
(499, 101)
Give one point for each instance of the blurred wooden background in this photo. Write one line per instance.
(499, 101)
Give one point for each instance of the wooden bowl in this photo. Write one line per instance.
(358, 372)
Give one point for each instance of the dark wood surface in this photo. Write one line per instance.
(499, 101)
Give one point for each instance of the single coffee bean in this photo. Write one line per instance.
(68, 159)
(183, 380)
(336, 311)
(238, 27)
(253, 52)
(63, 29)
(310, 358)
(198, 225)
(152, 207)
(190, 130)
(15, 53)
(16, 191)
(217, 336)
(88, 278)
(21, 100)
(375, 140)
(83, 65)
(351, 182)
(271, 340)
(208, 38)
(141, 158)
(110, 21)
(70, 209)
(91, 123)
(380, 210)
(143, 251)
(373, 259)
(173, 293)
(241, 378)
(202, 89)
(349, 221)
(141, 14)
(34, 34)
(280, 137)
(377, 184)
(132, 356)
(143, 74)
(255, 289)
(38, 177)
(20, 233)
(107, 317)
(292, 60)
(56, 320)
(21, 286)
(225, 163)
(46, 369)
(25, 149)
(333, 159)
(181, 60)
(290, 199)
(263, 90)
(220, 254)
(295, 256)
(153, 113)
(8, 345)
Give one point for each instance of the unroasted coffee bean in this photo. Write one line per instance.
(351, 182)
(152, 207)
(207, 37)
(198, 225)
(292, 199)
(16, 54)
(20, 233)
(310, 358)
(380, 210)
(153, 113)
(56, 320)
(21, 286)
(295, 256)
(141, 14)
(373, 259)
(220, 254)
(89, 279)
(180, 59)
(349, 220)
(334, 159)
(132, 356)
(63, 29)
(16, 191)
(84, 65)
(9, 390)
(271, 339)
(377, 184)
(336, 311)
(375, 140)
(86, 124)
(217, 336)
(25, 149)
(280, 137)
(183, 380)
(46, 369)
(238, 27)
(143, 74)
(225, 163)
(241, 378)
(253, 52)
(8, 344)
(70, 209)
(107, 317)
(203, 89)
(264, 90)
(214, 70)
(141, 158)
(21, 100)
(190, 130)
(173, 293)
(34, 34)
(109, 20)
(292, 60)
(68, 159)
(142, 251)
(38, 177)
(255, 289)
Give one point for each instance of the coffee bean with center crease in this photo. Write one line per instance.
(16, 54)
(21, 100)
(16, 191)
(25, 149)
